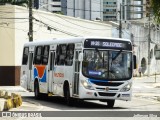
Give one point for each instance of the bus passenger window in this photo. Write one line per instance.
(70, 55)
(61, 54)
(25, 56)
(38, 55)
(57, 55)
(45, 55)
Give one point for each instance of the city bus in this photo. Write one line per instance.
(79, 68)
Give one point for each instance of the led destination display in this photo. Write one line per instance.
(110, 44)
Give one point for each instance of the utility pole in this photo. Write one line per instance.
(30, 34)
(149, 41)
(74, 9)
(120, 22)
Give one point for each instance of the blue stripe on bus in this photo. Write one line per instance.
(96, 80)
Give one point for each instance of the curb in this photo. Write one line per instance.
(9, 100)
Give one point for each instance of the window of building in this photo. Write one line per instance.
(69, 55)
(56, 0)
(25, 56)
(56, 6)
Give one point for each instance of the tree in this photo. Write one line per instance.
(15, 2)
(155, 4)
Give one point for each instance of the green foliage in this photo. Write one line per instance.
(14, 2)
(155, 4)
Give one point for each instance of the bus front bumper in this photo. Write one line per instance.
(104, 95)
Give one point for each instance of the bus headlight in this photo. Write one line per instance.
(126, 87)
(87, 84)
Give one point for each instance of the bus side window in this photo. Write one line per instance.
(69, 55)
(45, 55)
(25, 56)
(62, 54)
(38, 55)
(57, 55)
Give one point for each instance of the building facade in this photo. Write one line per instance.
(129, 9)
(110, 10)
(105, 10)
(85, 9)
(53, 6)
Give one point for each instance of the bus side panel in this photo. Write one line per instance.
(61, 74)
(58, 80)
(41, 73)
(24, 79)
(69, 75)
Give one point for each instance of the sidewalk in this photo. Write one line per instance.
(147, 87)
(13, 88)
(10, 97)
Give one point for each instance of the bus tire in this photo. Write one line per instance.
(36, 90)
(68, 99)
(110, 103)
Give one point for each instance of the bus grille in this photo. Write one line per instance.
(107, 83)
(106, 94)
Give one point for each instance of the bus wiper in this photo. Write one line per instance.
(117, 55)
(98, 53)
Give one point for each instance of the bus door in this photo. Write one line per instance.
(30, 65)
(51, 72)
(76, 73)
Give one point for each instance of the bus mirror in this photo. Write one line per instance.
(80, 57)
(134, 62)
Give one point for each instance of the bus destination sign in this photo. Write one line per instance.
(110, 44)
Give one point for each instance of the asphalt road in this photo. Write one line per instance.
(90, 108)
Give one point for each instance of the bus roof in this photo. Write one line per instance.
(68, 40)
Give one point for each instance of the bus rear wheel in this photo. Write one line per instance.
(36, 90)
(68, 99)
(110, 103)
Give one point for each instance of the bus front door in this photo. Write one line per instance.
(76, 74)
(51, 72)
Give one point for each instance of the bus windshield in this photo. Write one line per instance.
(107, 64)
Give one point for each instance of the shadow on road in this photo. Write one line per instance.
(59, 103)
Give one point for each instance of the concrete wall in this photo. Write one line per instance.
(7, 35)
(8, 69)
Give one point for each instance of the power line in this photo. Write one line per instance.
(71, 23)
(14, 28)
(57, 29)
(11, 18)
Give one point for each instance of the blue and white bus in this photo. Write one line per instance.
(86, 68)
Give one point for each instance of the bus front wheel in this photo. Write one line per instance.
(110, 103)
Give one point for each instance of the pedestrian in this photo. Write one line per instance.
(140, 71)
